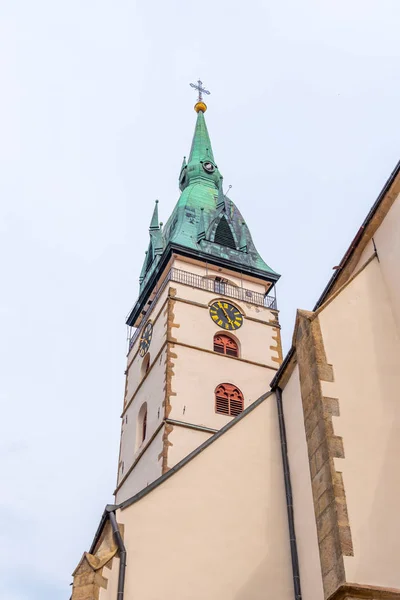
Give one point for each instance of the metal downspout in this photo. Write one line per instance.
(289, 498)
(122, 555)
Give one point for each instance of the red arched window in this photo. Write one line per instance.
(225, 345)
(228, 400)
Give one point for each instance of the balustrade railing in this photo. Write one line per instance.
(209, 284)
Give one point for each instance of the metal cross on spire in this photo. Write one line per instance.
(200, 89)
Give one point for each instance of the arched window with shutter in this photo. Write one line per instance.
(224, 344)
(228, 400)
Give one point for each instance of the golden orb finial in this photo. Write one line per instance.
(200, 106)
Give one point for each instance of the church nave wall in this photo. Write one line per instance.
(387, 242)
(362, 343)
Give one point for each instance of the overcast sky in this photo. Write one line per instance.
(96, 113)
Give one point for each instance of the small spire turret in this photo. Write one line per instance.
(154, 224)
(156, 239)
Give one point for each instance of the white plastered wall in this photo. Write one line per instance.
(111, 575)
(196, 327)
(387, 241)
(152, 392)
(158, 339)
(218, 527)
(143, 388)
(197, 374)
(183, 441)
(303, 504)
(205, 298)
(146, 470)
(365, 255)
(362, 343)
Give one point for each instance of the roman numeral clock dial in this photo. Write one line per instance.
(145, 340)
(225, 315)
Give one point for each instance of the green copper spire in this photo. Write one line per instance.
(205, 223)
(196, 222)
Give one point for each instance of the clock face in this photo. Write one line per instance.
(226, 315)
(145, 340)
(209, 167)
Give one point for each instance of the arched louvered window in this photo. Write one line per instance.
(228, 400)
(225, 345)
(224, 235)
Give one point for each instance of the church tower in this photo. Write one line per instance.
(205, 337)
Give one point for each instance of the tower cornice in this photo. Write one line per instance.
(176, 249)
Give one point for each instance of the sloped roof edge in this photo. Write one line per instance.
(113, 507)
(358, 237)
(193, 454)
(334, 280)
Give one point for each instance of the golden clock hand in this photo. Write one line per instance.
(224, 311)
(227, 316)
